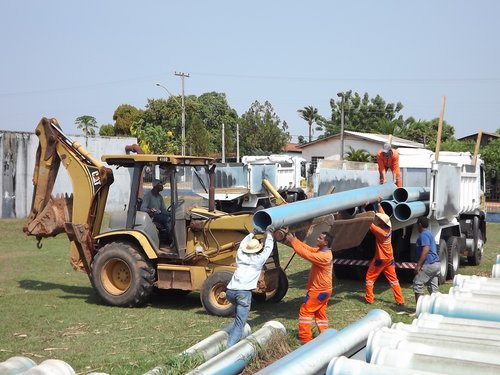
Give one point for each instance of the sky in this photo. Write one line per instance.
(66, 59)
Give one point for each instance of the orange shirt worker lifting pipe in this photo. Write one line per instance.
(383, 261)
(388, 158)
(319, 284)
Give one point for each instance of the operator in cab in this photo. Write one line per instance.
(154, 205)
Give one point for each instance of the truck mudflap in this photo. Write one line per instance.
(360, 262)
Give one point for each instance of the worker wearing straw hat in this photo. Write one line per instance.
(250, 258)
(383, 261)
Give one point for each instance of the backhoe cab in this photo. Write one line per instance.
(124, 253)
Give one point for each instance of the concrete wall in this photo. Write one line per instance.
(17, 162)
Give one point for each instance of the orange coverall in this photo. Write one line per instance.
(391, 162)
(383, 261)
(319, 289)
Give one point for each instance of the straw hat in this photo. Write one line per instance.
(386, 219)
(253, 246)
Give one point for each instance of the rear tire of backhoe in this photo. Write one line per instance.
(213, 294)
(122, 276)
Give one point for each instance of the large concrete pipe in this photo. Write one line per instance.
(457, 307)
(443, 365)
(234, 359)
(452, 332)
(16, 365)
(458, 321)
(409, 210)
(206, 348)
(474, 293)
(389, 337)
(313, 357)
(409, 194)
(495, 271)
(307, 209)
(214, 344)
(473, 329)
(388, 207)
(463, 280)
(51, 367)
(345, 366)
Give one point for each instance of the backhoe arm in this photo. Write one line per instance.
(79, 215)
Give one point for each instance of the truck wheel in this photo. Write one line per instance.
(477, 255)
(343, 272)
(453, 257)
(443, 260)
(213, 294)
(121, 275)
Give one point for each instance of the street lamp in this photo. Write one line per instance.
(341, 95)
(183, 116)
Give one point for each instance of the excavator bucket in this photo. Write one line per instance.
(50, 221)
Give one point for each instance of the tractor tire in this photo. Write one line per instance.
(475, 259)
(213, 294)
(280, 292)
(121, 275)
(277, 294)
(453, 257)
(443, 260)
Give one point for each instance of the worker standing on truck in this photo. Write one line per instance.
(250, 258)
(388, 158)
(319, 284)
(154, 205)
(428, 266)
(383, 261)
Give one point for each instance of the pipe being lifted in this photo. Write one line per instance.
(313, 357)
(388, 207)
(410, 210)
(300, 211)
(410, 194)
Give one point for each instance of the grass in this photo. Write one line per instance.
(49, 311)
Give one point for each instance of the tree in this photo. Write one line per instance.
(262, 132)
(213, 110)
(363, 114)
(107, 130)
(425, 132)
(88, 124)
(358, 155)
(309, 114)
(124, 117)
(198, 138)
(152, 138)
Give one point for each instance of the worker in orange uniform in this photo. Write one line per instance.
(383, 261)
(388, 158)
(319, 284)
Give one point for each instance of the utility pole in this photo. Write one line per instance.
(341, 95)
(183, 136)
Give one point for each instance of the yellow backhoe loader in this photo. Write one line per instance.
(122, 252)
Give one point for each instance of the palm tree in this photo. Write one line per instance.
(358, 155)
(88, 124)
(310, 114)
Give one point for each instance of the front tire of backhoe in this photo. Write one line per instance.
(122, 276)
(213, 294)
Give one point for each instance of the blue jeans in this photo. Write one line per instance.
(242, 299)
